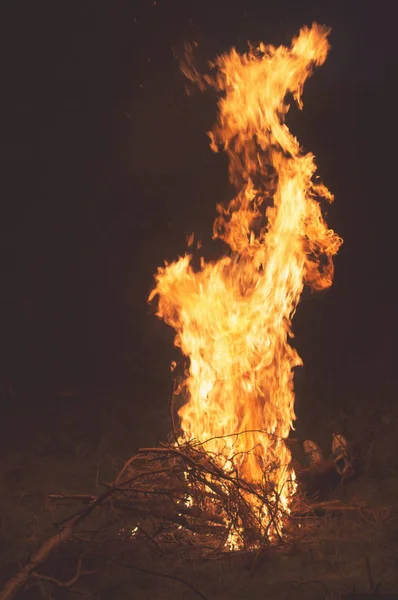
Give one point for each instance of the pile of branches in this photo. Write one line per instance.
(180, 495)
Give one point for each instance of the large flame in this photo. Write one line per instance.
(233, 316)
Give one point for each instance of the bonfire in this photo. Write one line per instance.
(233, 316)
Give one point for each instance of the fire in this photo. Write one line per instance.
(233, 316)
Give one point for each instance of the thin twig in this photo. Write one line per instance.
(70, 582)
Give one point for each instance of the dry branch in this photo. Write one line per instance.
(16, 583)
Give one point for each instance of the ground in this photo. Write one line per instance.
(332, 554)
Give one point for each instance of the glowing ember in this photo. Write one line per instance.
(232, 317)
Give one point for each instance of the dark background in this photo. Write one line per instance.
(106, 167)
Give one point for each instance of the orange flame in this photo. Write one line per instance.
(233, 317)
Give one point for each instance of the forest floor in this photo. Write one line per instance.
(71, 452)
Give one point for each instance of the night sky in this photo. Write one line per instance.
(106, 167)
